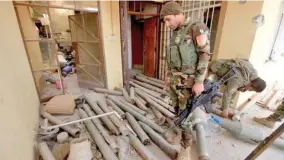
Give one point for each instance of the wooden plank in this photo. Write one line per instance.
(84, 51)
(82, 27)
(27, 53)
(89, 54)
(272, 102)
(17, 3)
(150, 47)
(57, 61)
(45, 69)
(90, 75)
(141, 13)
(268, 141)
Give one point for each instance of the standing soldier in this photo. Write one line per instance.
(246, 79)
(187, 55)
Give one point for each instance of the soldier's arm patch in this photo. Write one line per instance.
(201, 40)
(201, 37)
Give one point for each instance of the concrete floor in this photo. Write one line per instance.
(71, 87)
(226, 147)
(221, 146)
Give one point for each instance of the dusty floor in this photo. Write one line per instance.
(71, 87)
(221, 146)
(226, 147)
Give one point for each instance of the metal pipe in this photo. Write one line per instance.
(138, 115)
(192, 12)
(132, 94)
(198, 120)
(153, 79)
(152, 93)
(116, 108)
(201, 142)
(156, 105)
(266, 143)
(126, 96)
(73, 131)
(156, 89)
(207, 16)
(140, 104)
(141, 99)
(200, 8)
(98, 110)
(106, 91)
(144, 152)
(160, 119)
(160, 141)
(80, 120)
(137, 128)
(162, 103)
(245, 132)
(134, 107)
(140, 78)
(115, 120)
(212, 15)
(109, 139)
(97, 137)
(44, 151)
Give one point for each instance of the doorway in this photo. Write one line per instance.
(62, 41)
(140, 30)
(144, 39)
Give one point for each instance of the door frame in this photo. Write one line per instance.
(48, 6)
(76, 45)
(125, 30)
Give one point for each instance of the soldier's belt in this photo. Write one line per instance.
(183, 68)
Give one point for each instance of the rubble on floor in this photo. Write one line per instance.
(272, 98)
(128, 133)
(137, 124)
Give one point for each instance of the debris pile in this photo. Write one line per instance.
(66, 58)
(269, 99)
(272, 97)
(131, 121)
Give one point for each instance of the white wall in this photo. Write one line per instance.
(264, 38)
(59, 19)
(18, 98)
(236, 32)
(262, 44)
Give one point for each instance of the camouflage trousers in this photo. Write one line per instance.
(180, 96)
(279, 112)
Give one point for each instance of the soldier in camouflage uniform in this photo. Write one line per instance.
(187, 55)
(273, 118)
(246, 79)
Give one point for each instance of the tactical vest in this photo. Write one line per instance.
(247, 70)
(181, 55)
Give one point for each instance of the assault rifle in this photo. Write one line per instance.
(205, 98)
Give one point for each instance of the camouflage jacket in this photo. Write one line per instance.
(245, 74)
(185, 55)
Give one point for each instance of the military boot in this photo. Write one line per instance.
(268, 122)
